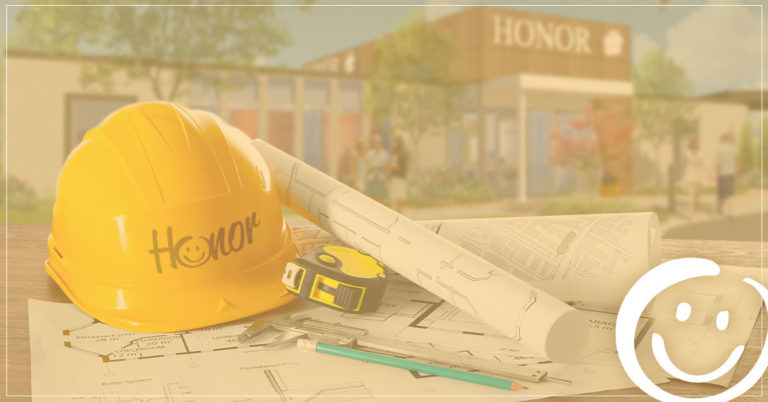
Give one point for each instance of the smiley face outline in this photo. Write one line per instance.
(637, 299)
(202, 247)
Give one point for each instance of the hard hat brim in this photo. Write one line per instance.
(256, 290)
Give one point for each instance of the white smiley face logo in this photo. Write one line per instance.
(641, 294)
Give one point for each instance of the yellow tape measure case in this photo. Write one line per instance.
(338, 277)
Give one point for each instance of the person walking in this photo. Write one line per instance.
(694, 174)
(347, 167)
(377, 160)
(398, 170)
(726, 173)
(360, 165)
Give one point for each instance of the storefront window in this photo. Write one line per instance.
(350, 96)
(280, 92)
(204, 93)
(243, 90)
(316, 93)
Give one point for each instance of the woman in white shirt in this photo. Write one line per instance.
(693, 176)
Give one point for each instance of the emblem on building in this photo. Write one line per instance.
(350, 63)
(613, 43)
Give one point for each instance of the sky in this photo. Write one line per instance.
(718, 44)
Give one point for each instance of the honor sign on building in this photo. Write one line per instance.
(526, 33)
(493, 42)
(532, 74)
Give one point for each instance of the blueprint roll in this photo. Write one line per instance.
(589, 261)
(517, 309)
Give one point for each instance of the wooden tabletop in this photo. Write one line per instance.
(27, 249)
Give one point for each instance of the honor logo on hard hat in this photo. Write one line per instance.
(166, 219)
(192, 252)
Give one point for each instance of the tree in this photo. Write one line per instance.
(577, 152)
(662, 109)
(746, 149)
(166, 46)
(414, 79)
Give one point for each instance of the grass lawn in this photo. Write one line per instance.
(575, 205)
(41, 211)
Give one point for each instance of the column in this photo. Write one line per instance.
(263, 113)
(367, 129)
(333, 129)
(522, 159)
(223, 97)
(298, 117)
(365, 135)
(481, 134)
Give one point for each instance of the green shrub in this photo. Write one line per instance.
(446, 186)
(23, 204)
(592, 205)
(20, 195)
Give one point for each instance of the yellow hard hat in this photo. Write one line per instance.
(164, 221)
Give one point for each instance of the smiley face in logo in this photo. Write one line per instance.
(193, 251)
(641, 294)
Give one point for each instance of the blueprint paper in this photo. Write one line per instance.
(74, 355)
(589, 261)
(695, 345)
(515, 308)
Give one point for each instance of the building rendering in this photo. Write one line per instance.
(527, 78)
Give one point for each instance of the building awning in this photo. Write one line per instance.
(553, 83)
(750, 97)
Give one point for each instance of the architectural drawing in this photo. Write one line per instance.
(568, 256)
(414, 315)
(589, 261)
(69, 349)
(543, 323)
(73, 355)
(113, 345)
(304, 381)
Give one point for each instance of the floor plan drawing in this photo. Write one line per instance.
(414, 315)
(112, 344)
(73, 355)
(300, 381)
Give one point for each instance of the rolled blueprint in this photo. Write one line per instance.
(588, 261)
(515, 308)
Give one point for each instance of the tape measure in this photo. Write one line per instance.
(338, 277)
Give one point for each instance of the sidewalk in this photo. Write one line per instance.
(743, 225)
(706, 224)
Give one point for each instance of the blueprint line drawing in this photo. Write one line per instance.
(408, 314)
(545, 324)
(285, 386)
(74, 355)
(588, 261)
(115, 346)
(567, 256)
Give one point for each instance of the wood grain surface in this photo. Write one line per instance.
(27, 250)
